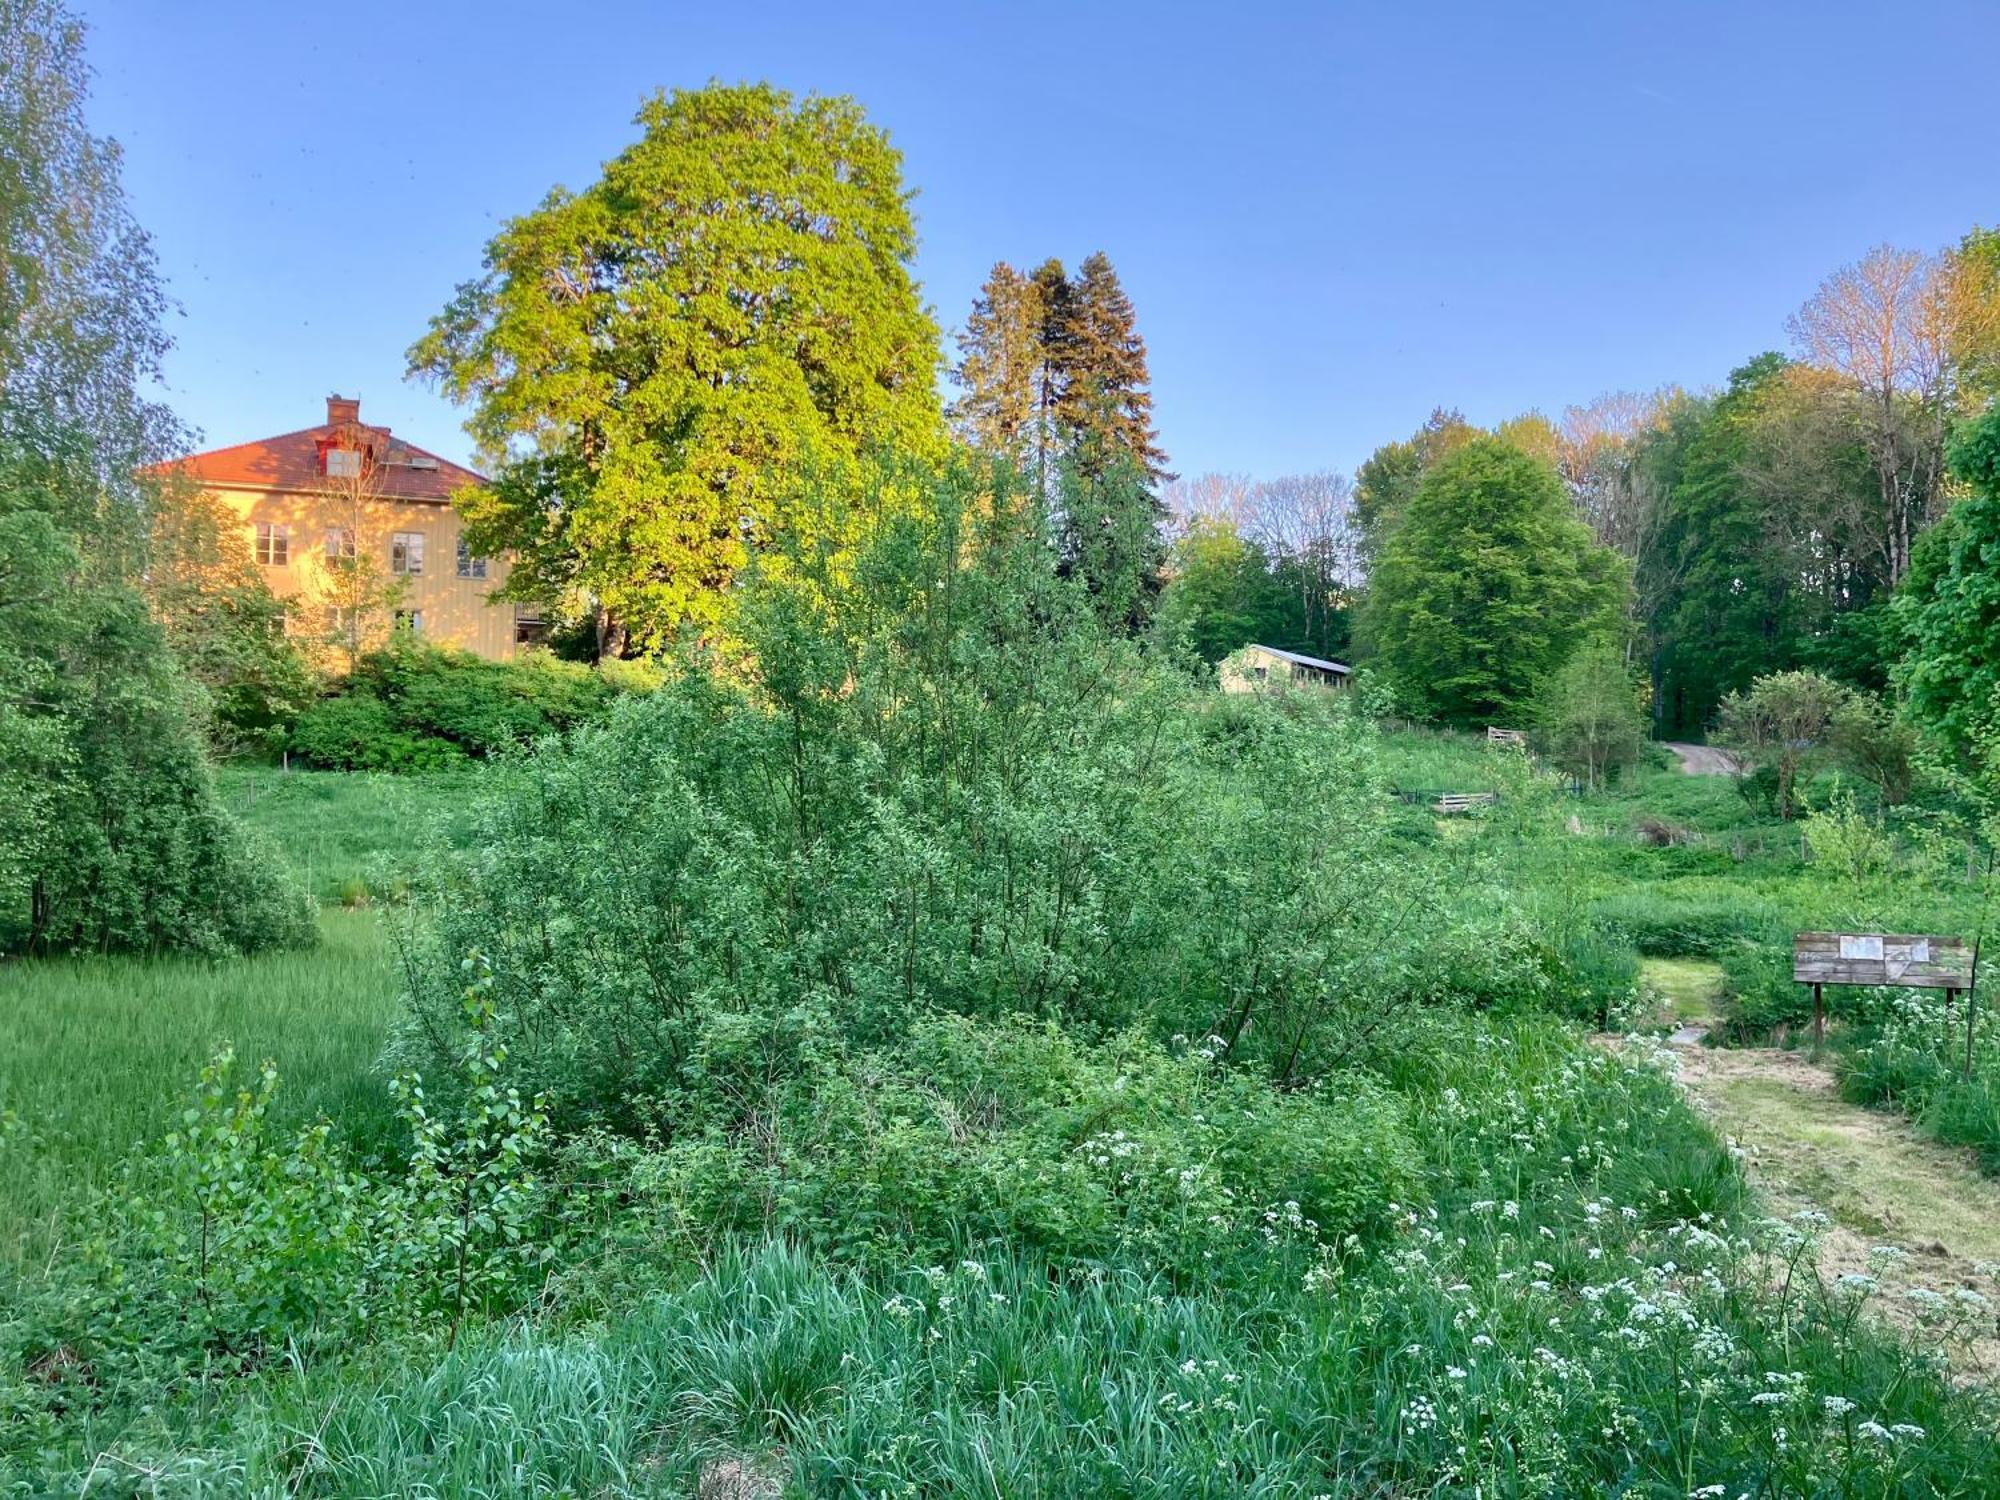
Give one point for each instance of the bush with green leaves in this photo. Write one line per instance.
(1784, 725)
(969, 798)
(416, 707)
(1015, 1135)
(1588, 718)
(112, 837)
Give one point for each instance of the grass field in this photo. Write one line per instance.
(96, 1054)
(351, 836)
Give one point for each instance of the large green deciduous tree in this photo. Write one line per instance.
(1487, 586)
(648, 360)
(1385, 484)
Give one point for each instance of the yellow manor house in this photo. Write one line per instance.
(344, 492)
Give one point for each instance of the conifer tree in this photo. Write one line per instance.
(1000, 364)
(1106, 390)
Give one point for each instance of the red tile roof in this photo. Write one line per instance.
(292, 461)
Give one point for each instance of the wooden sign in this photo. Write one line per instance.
(1916, 961)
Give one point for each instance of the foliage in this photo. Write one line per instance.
(996, 806)
(111, 836)
(1588, 719)
(1299, 532)
(221, 620)
(1388, 481)
(1487, 587)
(123, 843)
(417, 707)
(1854, 848)
(648, 359)
(1950, 607)
(1918, 1062)
(1053, 369)
(1668, 928)
(1883, 749)
(1017, 1135)
(358, 732)
(1588, 1248)
(1224, 590)
(1220, 593)
(81, 306)
(1784, 723)
(1108, 538)
(233, 1249)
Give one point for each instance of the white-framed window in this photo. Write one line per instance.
(411, 620)
(468, 565)
(339, 621)
(530, 631)
(274, 544)
(343, 463)
(406, 552)
(340, 544)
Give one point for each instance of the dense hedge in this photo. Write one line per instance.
(416, 707)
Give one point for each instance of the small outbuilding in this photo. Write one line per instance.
(1266, 669)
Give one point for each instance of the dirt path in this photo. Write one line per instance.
(1878, 1180)
(1872, 1174)
(1703, 760)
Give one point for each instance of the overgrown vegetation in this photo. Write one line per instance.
(922, 1040)
(417, 707)
(986, 1008)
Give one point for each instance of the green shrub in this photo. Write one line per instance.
(417, 707)
(112, 836)
(356, 732)
(1013, 1134)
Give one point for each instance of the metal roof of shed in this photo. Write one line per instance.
(1305, 661)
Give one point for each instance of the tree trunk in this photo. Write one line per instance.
(612, 636)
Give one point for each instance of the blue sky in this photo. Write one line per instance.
(1331, 218)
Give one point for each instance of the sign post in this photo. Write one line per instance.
(1914, 961)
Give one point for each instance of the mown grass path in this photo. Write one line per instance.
(1874, 1175)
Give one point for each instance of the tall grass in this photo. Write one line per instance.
(351, 834)
(1575, 1311)
(96, 1054)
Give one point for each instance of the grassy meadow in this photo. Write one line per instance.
(1572, 1233)
(97, 1054)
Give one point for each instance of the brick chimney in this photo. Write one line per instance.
(342, 411)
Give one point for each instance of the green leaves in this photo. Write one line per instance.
(1949, 608)
(648, 360)
(1487, 585)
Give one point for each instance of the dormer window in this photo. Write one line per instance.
(343, 463)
